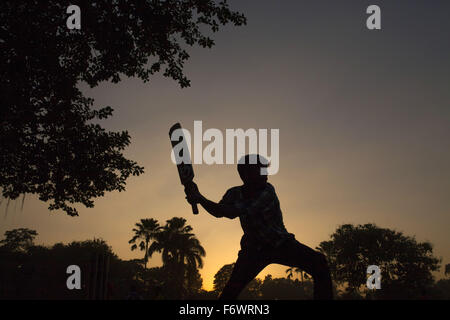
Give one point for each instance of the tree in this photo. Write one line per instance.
(182, 255)
(178, 244)
(19, 239)
(285, 289)
(191, 255)
(145, 231)
(51, 143)
(441, 290)
(194, 283)
(251, 291)
(447, 269)
(406, 265)
(222, 276)
(290, 273)
(40, 272)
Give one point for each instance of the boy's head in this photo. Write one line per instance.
(250, 167)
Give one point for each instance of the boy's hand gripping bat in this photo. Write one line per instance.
(185, 170)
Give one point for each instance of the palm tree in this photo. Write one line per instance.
(290, 272)
(181, 251)
(190, 255)
(145, 231)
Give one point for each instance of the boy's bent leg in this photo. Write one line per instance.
(246, 268)
(295, 254)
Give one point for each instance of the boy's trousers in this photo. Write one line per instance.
(290, 253)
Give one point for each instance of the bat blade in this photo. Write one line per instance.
(184, 164)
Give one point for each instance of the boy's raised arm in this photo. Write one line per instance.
(217, 210)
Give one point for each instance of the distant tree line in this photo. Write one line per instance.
(29, 271)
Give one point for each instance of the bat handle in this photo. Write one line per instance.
(194, 208)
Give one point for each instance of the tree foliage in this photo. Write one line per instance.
(182, 256)
(267, 289)
(441, 290)
(145, 231)
(18, 239)
(406, 265)
(251, 291)
(286, 289)
(295, 270)
(51, 143)
(222, 276)
(39, 272)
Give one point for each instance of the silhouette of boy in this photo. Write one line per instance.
(265, 238)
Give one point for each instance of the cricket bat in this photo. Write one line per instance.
(185, 170)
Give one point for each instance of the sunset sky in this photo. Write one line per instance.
(363, 118)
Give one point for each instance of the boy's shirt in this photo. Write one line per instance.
(261, 218)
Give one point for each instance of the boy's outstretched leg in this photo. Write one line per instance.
(323, 288)
(245, 270)
(294, 254)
